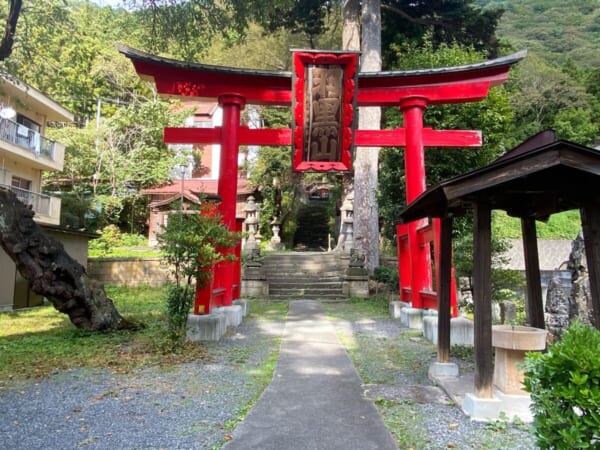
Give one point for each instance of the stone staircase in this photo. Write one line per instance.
(313, 275)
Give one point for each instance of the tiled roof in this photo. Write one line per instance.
(197, 186)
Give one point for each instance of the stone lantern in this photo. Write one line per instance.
(251, 210)
(346, 238)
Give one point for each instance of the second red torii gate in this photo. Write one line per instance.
(412, 91)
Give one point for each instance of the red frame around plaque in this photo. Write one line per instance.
(348, 62)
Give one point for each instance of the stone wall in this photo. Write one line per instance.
(128, 271)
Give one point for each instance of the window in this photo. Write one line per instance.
(21, 183)
(22, 120)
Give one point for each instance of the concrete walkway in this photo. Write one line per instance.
(315, 400)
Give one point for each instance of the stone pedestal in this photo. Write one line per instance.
(511, 343)
(254, 282)
(233, 314)
(356, 282)
(439, 370)
(396, 308)
(209, 327)
(482, 409)
(462, 330)
(412, 318)
(244, 303)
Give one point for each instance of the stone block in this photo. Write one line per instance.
(443, 370)
(233, 314)
(487, 409)
(412, 318)
(245, 304)
(254, 288)
(461, 330)
(209, 327)
(395, 308)
(482, 409)
(430, 329)
(356, 286)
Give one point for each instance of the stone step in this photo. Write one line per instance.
(304, 275)
(307, 265)
(309, 294)
(306, 292)
(315, 275)
(298, 256)
(293, 284)
(321, 297)
(304, 280)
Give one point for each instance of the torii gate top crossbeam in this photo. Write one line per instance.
(207, 82)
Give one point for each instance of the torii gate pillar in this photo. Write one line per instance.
(232, 106)
(414, 163)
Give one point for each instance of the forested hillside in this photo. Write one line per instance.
(556, 30)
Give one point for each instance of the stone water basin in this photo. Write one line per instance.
(511, 344)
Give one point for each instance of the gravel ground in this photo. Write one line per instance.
(419, 421)
(188, 407)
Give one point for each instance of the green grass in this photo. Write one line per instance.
(36, 342)
(376, 307)
(125, 252)
(268, 309)
(405, 422)
(565, 225)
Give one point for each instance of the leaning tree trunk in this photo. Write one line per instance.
(51, 272)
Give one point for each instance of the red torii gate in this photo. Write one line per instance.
(412, 91)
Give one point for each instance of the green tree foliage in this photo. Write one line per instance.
(437, 23)
(563, 384)
(67, 50)
(544, 96)
(186, 29)
(112, 161)
(190, 243)
(555, 30)
(309, 18)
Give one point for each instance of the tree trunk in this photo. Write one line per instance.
(51, 272)
(351, 27)
(10, 26)
(366, 163)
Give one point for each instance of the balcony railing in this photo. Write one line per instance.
(27, 138)
(40, 203)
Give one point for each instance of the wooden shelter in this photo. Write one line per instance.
(540, 177)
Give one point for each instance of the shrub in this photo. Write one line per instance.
(179, 301)
(111, 238)
(190, 242)
(387, 275)
(565, 389)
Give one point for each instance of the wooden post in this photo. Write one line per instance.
(482, 300)
(590, 221)
(444, 290)
(535, 303)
